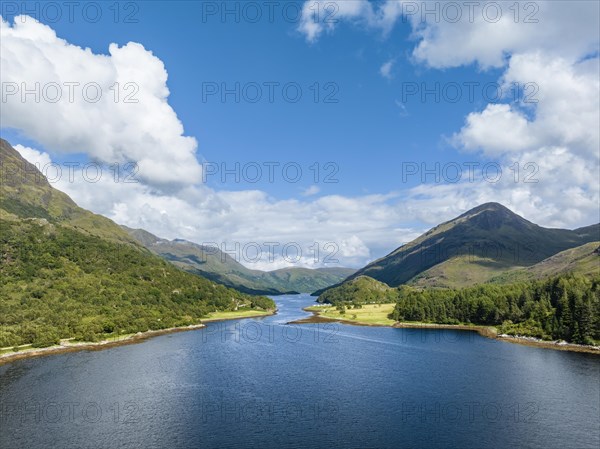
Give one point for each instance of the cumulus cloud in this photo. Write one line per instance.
(497, 129)
(566, 112)
(112, 107)
(549, 186)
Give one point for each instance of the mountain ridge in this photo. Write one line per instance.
(221, 267)
(472, 248)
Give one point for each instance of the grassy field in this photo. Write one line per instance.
(10, 350)
(373, 314)
(232, 315)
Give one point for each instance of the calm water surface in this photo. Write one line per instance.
(262, 383)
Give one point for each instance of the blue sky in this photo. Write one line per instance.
(366, 133)
(369, 133)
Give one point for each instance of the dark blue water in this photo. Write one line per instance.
(260, 383)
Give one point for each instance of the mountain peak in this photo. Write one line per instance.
(493, 216)
(489, 207)
(492, 205)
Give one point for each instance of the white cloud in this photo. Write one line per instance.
(310, 191)
(147, 131)
(37, 158)
(357, 229)
(560, 28)
(559, 135)
(319, 16)
(566, 113)
(386, 69)
(566, 194)
(496, 130)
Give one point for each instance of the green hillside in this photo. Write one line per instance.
(65, 272)
(26, 193)
(584, 260)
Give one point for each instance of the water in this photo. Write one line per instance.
(260, 383)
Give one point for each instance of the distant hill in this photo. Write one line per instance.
(583, 260)
(68, 273)
(224, 269)
(362, 290)
(473, 248)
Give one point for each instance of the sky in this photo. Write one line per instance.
(319, 133)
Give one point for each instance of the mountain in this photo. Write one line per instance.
(476, 246)
(68, 273)
(220, 267)
(582, 260)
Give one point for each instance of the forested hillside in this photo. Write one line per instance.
(66, 272)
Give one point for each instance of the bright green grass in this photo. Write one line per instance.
(374, 314)
(231, 315)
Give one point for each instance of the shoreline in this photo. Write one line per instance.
(129, 339)
(485, 331)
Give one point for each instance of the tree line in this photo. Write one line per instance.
(565, 307)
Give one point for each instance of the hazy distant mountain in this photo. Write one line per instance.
(222, 268)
